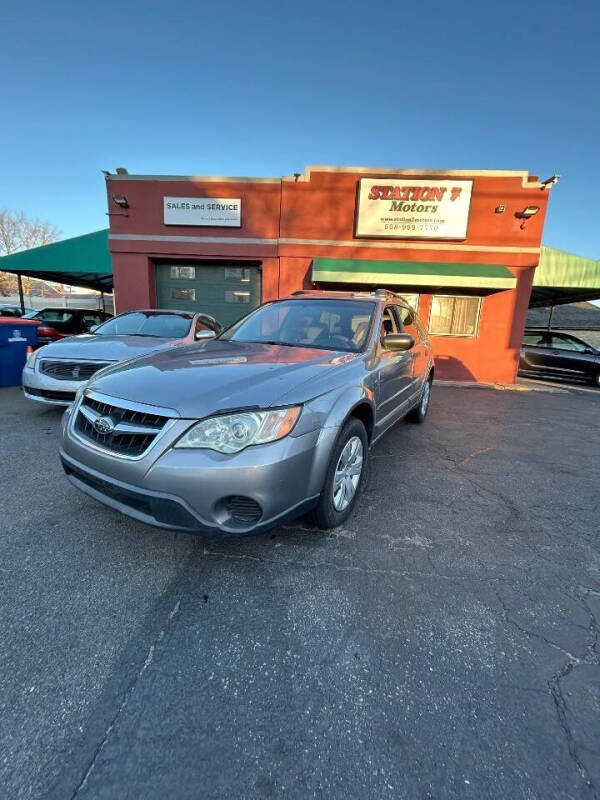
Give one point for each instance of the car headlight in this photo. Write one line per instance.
(31, 358)
(231, 433)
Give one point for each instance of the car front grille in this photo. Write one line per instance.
(71, 370)
(120, 430)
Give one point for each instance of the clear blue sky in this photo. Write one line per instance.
(256, 88)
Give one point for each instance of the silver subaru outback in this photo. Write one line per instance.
(271, 420)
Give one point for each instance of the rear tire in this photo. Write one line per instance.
(418, 413)
(345, 477)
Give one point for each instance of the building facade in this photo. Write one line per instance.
(462, 246)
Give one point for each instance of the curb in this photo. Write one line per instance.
(500, 387)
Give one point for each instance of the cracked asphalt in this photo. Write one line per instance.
(443, 644)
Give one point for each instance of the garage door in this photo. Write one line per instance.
(226, 292)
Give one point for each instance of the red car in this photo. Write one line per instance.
(57, 323)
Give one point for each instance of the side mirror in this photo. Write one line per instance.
(398, 341)
(93, 328)
(206, 334)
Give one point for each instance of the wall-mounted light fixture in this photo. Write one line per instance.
(120, 200)
(500, 209)
(527, 213)
(550, 181)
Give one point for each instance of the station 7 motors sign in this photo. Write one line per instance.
(413, 209)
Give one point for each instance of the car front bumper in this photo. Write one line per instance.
(45, 389)
(195, 490)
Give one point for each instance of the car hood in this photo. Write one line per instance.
(197, 380)
(105, 348)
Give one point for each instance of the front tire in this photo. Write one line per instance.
(418, 413)
(345, 476)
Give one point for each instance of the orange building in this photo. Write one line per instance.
(462, 245)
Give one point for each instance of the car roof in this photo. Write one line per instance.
(379, 295)
(158, 311)
(68, 308)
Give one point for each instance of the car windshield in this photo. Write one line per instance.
(147, 323)
(324, 324)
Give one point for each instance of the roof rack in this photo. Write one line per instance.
(384, 293)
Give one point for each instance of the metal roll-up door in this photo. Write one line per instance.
(225, 291)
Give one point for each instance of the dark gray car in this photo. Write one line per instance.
(553, 354)
(272, 419)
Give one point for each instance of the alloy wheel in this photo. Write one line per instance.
(347, 473)
(425, 397)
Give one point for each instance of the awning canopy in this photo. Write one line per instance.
(80, 261)
(564, 278)
(413, 274)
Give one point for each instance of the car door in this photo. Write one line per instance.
(536, 355)
(411, 324)
(395, 371)
(572, 357)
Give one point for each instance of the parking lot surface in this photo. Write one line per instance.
(442, 644)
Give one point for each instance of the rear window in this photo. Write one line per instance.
(54, 315)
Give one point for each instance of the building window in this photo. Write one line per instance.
(454, 316)
(185, 273)
(237, 297)
(183, 294)
(237, 274)
(411, 299)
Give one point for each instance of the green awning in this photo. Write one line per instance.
(413, 273)
(80, 261)
(564, 278)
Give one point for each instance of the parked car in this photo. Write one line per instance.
(14, 311)
(554, 354)
(53, 373)
(58, 323)
(272, 419)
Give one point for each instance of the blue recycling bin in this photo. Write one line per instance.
(16, 335)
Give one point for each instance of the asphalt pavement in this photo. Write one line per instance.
(442, 644)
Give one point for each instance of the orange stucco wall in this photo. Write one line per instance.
(286, 223)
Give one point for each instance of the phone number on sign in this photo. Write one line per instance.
(407, 226)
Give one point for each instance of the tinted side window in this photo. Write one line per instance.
(388, 322)
(534, 339)
(567, 343)
(91, 319)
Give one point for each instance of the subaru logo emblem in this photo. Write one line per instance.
(104, 425)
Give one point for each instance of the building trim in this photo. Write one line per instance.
(364, 171)
(362, 244)
(415, 279)
(453, 173)
(143, 237)
(192, 178)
